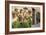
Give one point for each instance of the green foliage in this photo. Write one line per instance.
(19, 24)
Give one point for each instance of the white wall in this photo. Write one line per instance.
(2, 18)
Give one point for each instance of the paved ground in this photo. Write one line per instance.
(36, 25)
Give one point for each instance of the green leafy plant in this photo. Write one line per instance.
(18, 24)
(23, 21)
